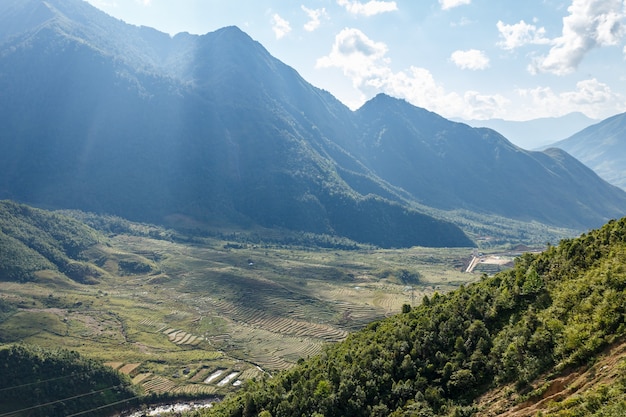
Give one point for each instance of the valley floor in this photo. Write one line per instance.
(202, 318)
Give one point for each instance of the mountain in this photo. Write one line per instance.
(450, 165)
(212, 127)
(112, 118)
(514, 343)
(536, 133)
(602, 147)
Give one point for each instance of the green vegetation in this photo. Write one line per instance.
(553, 311)
(33, 240)
(38, 382)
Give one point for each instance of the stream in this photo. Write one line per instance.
(175, 407)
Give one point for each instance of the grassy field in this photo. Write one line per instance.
(172, 315)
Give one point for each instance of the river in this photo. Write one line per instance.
(177, 407)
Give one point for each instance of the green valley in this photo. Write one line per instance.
(524, 342)
(180, 313)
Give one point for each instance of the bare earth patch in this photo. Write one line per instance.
(560, 388)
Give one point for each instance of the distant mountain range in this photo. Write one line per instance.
(601, 147)
(103, 116)
(536, 133)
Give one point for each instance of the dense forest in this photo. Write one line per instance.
(552, 312)
(37, 382)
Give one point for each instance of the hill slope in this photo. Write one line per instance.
(40, 382)
(552, 312)
(111, 118)
(450, 165)
(34, 240)
(602, 147)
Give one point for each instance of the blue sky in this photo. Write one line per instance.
(471, 59)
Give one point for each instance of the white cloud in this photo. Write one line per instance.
(449, 4)
(280, 26)
(463, 22)
(365, 62)
(591, 97)
(484, 106)
(370, 8)
(590, 24)
(471, 59)
(315, 16)
(360, 58)
(520, 34)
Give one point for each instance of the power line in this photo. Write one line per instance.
(103, 406)
(58, 401)
(44, 381)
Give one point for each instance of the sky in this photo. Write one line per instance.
(463, 59)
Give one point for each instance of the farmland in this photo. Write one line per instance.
(202, 317)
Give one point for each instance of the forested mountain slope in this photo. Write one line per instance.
(57, 383)
(552, 313)
(33, 240)
(451, 165)
(211, 127)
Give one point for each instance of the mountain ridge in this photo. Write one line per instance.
(145, 125)
(601, 147)
(537, 133)
(485, 165)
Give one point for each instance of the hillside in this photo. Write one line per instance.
(543, 323)
(111, 118)
(40, 382)
(449, 166)
(602, 148)
(33, 240)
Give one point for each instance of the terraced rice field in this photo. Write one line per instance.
(159, 385)
(279, 325)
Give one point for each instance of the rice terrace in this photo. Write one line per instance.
(204, 315)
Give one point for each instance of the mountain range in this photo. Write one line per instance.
(537, 133)
(107, 117)
(601, 147)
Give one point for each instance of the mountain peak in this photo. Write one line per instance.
(383, 99)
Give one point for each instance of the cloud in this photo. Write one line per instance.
(365, 62)
(360, 58)
(315, 18)
(590, 24)
(370, 8)
(280, 26)
(591, 97)
(471, 59)
(450, 4)
(520, 34)
(463, 22)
